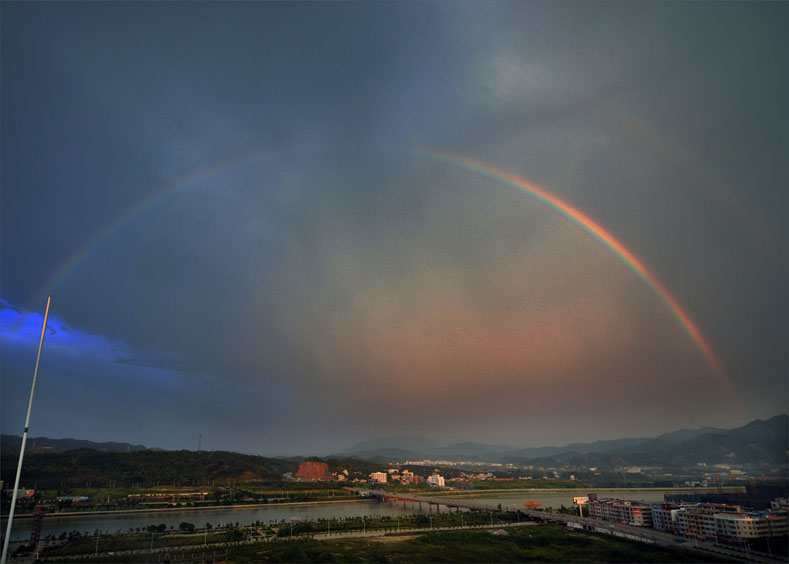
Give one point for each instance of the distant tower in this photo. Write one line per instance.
(199, 442)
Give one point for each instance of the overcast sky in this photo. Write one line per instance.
(239, 212)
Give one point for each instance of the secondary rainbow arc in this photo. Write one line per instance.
(127, 217)
(477, 166)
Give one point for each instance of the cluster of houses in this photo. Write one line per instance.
(405, 477)
(319, 471)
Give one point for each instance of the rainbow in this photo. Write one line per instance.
(477, 166)
(120, 221)
(597, 232)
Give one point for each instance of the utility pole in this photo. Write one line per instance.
(4, 557)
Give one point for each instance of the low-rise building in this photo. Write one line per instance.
(312, 471)
(621, 511)
(436, 480)
(160, 497)
(378, 477)
(699, 520)
(408, 477)
(709, 521)
(664, 517)
(739, 527)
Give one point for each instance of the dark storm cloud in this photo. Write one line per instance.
(325, 274)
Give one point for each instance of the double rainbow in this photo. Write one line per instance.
(477, 166)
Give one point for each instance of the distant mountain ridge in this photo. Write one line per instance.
(759, 440)
(616, 444)
(404, 447)
(402, 442)
(12, 443)
(421, 447)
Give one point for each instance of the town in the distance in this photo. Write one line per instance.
(715, 492)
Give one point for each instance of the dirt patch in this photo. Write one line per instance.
(394, 538)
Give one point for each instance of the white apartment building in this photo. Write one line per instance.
(436, 480)
(727, 523)
(731, 522)
(378, 477)
(664, 517)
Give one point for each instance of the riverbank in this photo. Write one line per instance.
(61, 515)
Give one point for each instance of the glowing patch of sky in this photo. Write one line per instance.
(475, 165)
(600, 234)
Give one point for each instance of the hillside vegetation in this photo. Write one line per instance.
(86, 466)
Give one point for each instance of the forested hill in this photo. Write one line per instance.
(79, 467)
(75, 468)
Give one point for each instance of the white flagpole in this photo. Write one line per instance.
(4, 558)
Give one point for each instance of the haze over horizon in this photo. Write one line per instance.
(250, 227)
(423, 445)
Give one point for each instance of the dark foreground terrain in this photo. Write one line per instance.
(544, 543)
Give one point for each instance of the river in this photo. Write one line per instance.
(109, 523)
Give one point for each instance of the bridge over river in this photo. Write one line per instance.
(458, 504)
